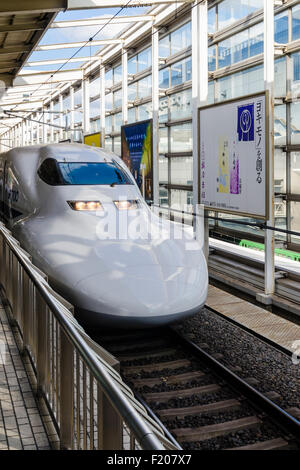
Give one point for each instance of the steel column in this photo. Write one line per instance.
(155, 108)
(86, 105)
(199, 96)
(51, 122)
(102, 104)
(72, 113)
(269, 85)
(124, 86)
(61, 117)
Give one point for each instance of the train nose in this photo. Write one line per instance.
(144, 295)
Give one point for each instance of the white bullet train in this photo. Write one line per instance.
(59, 200)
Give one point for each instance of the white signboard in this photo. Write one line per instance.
(233, 156)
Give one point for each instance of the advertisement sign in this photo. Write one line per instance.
(233, 151)
(93, 139)
(136, 142)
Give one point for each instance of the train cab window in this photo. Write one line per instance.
(57, 173)
(93, 174)
(49, 172)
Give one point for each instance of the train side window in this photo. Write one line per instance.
(49, 172)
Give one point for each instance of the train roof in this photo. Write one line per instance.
(64, 152)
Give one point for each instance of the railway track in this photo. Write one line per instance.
(200, 402)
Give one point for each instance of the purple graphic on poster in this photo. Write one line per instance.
(234, 178)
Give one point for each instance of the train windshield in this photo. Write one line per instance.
(93, 173)
(104, 173)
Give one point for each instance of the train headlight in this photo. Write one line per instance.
(126, 205)
(85, 205)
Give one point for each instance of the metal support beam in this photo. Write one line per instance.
(155, 108)
(14, 7)
(86, 4)
(72, 113)
(269, 85)
(71, 45)
(51, 122)
(103, 20)
(45, 127)
(86, 105)
(102, 104)
(124, 86)
(61, 117)
(199, 97)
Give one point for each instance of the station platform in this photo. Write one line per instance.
(25, 423)
(270, 326)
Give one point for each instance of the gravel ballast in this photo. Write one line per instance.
(273, 369)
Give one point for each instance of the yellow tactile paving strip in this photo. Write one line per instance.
(267, 324)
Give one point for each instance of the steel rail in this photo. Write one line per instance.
(275, 412)
(147, 439)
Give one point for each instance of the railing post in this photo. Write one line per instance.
(25, 310)
(41, 356)
(109, 424)
(66, 392)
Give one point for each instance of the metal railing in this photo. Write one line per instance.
(92, 408)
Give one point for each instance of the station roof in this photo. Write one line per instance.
(46, 45)
(22, 24)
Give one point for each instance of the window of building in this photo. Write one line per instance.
(181, 138)
(281, 32)
(181, 38)
(95, 87)
(241, 46)
(295, 123)
(117, 74)
(295, 173)
(132, 65)
(242, 83)
(108, 124)
(117, 122)
(212, 20)
(296, 22)
(181, 170)
(279, 171)
(144, 59)
(212, 58)
(95, 108)
(144, 111)
(280, 125)
(181, 72)
(280, 78)
(181, 104)
(295, 220)
(109, 102)
(163, 169)
(109, 78)
(164, 78)
(230, 11)
(117, 98)
(132, 91)
(163, 140)
(145, 87)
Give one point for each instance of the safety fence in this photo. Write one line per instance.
(91, 406)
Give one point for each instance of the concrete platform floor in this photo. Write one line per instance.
(277, 329)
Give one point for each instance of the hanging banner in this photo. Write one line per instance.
(233, 151)
(136, 142)
(92, 139)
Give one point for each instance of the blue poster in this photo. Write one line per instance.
(245, 123)
(137, 152)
